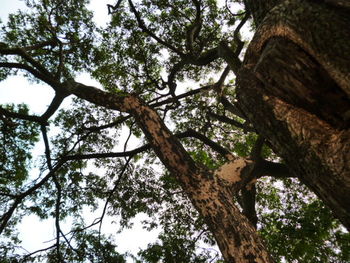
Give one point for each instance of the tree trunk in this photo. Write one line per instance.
(314, 141)
(294, 87)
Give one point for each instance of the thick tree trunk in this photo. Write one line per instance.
(294, 88)
(314, 142)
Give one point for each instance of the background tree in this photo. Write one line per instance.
(234, 144)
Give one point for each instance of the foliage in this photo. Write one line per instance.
(297, 226)
(156, 60)
(17, 140)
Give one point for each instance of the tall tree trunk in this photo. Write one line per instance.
(314, 142)
(294, 87)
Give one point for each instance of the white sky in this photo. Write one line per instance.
(35, 233)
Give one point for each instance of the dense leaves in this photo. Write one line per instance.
(97, 160)
(297, 226)
(17, 140)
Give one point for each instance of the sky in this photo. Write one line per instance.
(34, 234)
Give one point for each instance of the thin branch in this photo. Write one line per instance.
(194, 29)
(236, 38)
(222, 78)
(231, 107)
(215, 146)
(233, 122)
(20, 197)
(116, 184)
(47, 147)
(42, 120)
(57, 216)
(113, 9)
(120, 120)
(216, 85)
(189, 133)
(128, 138)
(37, 251)
(51, 42)
(107, 155)
(142, 25)
(61, 61)
(232, 14)
(59, 191)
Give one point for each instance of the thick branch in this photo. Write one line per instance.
(21, 52)
(16, 115)
(229, 56)
(276, 170)
(247, 201)
(209, 194)
(45, 78)
(54, 105)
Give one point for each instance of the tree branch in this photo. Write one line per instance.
(229, 56)
(20, 197)
(276, 170)
(215, 146)
(42, 120)
(20, 116)
(116, 184)
(54, 105)
(233, 122)
(22, 53)
(233, 108)
(47, 147)
(142, 25)
(194, 29)
(43, 77)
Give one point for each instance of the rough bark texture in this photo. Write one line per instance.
(210, 192)
(284, 89)
(295, 88)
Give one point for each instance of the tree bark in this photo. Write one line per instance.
(294, 88)
(211, 192)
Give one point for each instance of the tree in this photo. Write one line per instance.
(284, 115)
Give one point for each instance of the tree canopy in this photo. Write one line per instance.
(167, 69)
